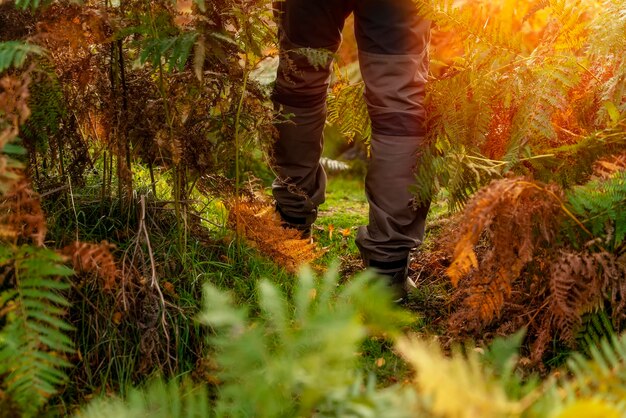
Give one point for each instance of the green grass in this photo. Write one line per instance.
(346, 209)
(343, 212)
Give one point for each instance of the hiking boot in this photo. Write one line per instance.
(395, 274)
(299, 224)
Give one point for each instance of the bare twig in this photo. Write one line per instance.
(154, 282)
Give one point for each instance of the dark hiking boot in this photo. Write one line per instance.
(299, 224)
(396, 275)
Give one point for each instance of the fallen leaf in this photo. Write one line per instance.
(117, 318)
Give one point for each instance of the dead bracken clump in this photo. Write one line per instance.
(255, 219)
(94, 258)
(528, 275)
(21, 217)
(517, 216)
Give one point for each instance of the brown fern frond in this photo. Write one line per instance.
(606, 168)
(14, 95)
(516, 217)
(579, 283)
(14, 111)
(94, 258)
(499, 134)
(254, 218)
(544, 335)
(21, 216)
(74, 26)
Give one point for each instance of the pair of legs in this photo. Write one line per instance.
(393, 44)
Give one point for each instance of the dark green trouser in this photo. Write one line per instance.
(393, 56)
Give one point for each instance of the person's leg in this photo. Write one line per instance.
(300, 97)
(393, 55)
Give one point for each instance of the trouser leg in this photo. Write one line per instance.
(300, 97)
(393, 56)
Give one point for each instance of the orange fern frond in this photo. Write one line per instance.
(94, 258)
(255, 219)
(499, 134)
(14, 111)
(579, 282)
(515, 216)
(21, 216)
(606, 168)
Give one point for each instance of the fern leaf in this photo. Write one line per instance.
(32, 4)
(294, 361)
(596, 327)
(477, 393)
(601, 205)
(532, 122)
(603, 376)
(157, 400)
(174, 50)
(348, 111)
(15, 53)
(21, 216)
(256, 219)
(96, 259)
(33, 343)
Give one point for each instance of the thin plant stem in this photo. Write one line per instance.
(244, 87)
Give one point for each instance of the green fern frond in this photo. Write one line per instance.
(294, 358)
(15, 53)
(603, 375)
(573, 29)
(32, 4)
(257, 31)
(156, 400)
(572, 164)
(174, 50)
(291, 357)
(447, 14)
(460, 172)
(532, 123)
(608, 28)
(48, 108)
(601, 206)
(607, 40)
(317, 57)
(33, 341)
(347, 109)
(596, 327)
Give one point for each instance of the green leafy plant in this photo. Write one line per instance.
(174, 50)
(15, 53)
(602, 375)
(32, 4)
(293, 358)
(601, 204)
(296, 358)
(156, 400)
(34, 340)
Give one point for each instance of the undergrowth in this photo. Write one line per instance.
(129, 199)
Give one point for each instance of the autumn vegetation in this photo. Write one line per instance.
(143, 271)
